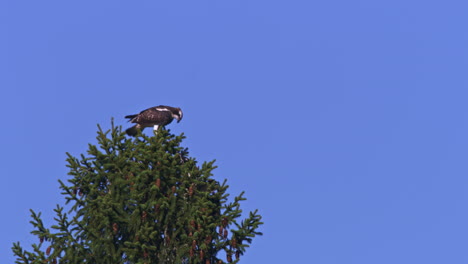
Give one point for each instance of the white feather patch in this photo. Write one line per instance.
(162, 109)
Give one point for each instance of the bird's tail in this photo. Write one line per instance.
(130, 116)
(132, 131)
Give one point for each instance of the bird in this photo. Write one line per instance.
(155, 117)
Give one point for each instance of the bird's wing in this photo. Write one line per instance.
(151, 115)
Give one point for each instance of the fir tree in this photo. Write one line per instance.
(142, 200)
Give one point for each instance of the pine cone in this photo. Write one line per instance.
(234, 243)
(158, 183)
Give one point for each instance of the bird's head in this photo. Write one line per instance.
(178, 114)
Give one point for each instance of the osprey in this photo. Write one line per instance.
(155, 116)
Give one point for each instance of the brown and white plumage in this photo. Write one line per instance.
(161, 115)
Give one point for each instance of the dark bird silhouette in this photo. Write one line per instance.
(155, 117)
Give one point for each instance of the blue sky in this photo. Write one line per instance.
(344, 121)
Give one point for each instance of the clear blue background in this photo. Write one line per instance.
(344, 121)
